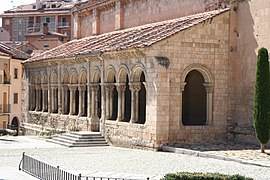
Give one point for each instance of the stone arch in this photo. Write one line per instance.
(83, 77)
(54, 91)
(124, 79)
(54, 77)
(136, 72)
(83, 89)
(197, 77)
(44, 78)
(208, 78)
(111, 94)
(96, 75)
(138, 87)
(123, 74)
(15, 125)
(65, 92)
(38, 78)
(74, 77)
(65, 77)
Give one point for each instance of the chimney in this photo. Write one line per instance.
(45, 28)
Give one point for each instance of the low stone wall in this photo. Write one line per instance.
(129, 135)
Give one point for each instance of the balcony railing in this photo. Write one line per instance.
(38, 27)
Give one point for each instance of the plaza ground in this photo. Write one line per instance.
(114, 161)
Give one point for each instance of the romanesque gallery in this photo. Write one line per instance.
(151, 72)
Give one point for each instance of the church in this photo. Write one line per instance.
(145, 73)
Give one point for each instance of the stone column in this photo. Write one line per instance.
(44, 97)
(94, 89)
(134, 88)
(89, 102)
(109, 103)
(37, 97)
(209, 87)
(53, 98)
(72, 89)
(64, 99)
(82, 90)
(121, 87)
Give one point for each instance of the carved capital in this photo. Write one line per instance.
(44, 87)
(73, 87)
(136, 86)
(82, 88)
(94, 86)
(109, 86)
(182, 87)
(121, 87)
(209, 87)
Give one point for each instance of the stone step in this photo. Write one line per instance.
(72, 138)
(79, 139)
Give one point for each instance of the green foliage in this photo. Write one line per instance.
(202, 176)
(262, 97)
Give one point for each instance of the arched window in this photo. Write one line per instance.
(142, 101)
(194, 100)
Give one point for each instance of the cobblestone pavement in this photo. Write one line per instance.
(241, 151)
(116, 162)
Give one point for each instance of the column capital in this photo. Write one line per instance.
(72, 87)
(37, 86)
(182, 87)
(121, 86)
(135, 86)
(82, 87)
(109, 86)
(44, 87)
(94, 86)
(209, 87)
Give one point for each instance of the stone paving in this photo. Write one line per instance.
(114, 161)
(245, 152)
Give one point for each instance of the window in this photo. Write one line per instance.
(48, 19)
(15, 100)
(54, 6)
(7, 22)
(15, 73)
(34, 6)
(43, 6)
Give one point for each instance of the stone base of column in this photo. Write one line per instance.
(94, 124)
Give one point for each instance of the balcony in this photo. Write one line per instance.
(5, 108)
(62, 24)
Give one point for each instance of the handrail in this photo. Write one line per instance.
(45, 171)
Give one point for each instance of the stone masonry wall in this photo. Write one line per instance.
(253, 33)
(204, 45)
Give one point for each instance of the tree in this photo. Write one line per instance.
(262, 98)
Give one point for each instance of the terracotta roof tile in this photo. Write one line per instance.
(137, 37)
(13, 52)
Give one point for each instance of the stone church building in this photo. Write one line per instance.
(151, 72)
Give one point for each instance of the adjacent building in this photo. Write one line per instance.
(10, 85)
(29, 20)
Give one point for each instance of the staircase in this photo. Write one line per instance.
(79, 139)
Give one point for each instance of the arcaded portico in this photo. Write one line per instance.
(146, 86)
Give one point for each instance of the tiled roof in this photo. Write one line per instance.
(32, 13)
(13, 52)
(137, 37)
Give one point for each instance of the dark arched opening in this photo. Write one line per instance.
(77, 96)
(15, 125)
(142, 101)
(194, 100)
(85, 102)
(114, 102)
(41, 100)
(99, 101)
(127, 102)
